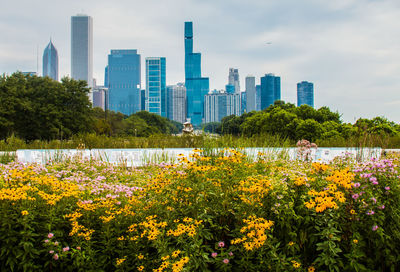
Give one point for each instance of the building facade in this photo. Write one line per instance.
(233, 79)
(270, 90)
(50, 61)
(196, 86)
(251, 100)
(305, 93)
(156, 95)
(82, 48)
(219, 104)
(100, 94)
(176, 102)
(122, 78)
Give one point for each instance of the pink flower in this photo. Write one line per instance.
(78, 248)
(226, 261)
(65, 249)
(51, 251)
(46, 241)
(356, 185)
(387, 188)
(50, 235)
(230, 253)
(374, 228)
(221, 244)
(55, 257)
(56, 243)
(214, 254)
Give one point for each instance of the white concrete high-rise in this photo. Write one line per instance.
(82, 48)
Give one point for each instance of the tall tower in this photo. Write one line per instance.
(270, 90)
(122, 78)
(50, 61)
(196, 86)
(251, 104)
(156, 96)
(82, 48)
(305, 93)
(233, 79)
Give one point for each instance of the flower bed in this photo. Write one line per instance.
(219, 212)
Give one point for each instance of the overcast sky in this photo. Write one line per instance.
(349, 49)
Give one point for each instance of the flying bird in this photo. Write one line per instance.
(269, 42)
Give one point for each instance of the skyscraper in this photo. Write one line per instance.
(305, 93)
(82, 48)
(196, 86)
(251, 104)
(270, 90)
(50, 61)
(123, 81)
(156, 96)
(233, 79)
(176, 106)
(221, 104)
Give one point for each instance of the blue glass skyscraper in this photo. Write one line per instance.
(196, 86)
(270, 90)
(305, 93)
(156, 95)
(123, 81)
(50, 61)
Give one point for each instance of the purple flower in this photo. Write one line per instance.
(375, 227)
(356, 185)
(355, 196)
(65, 248)
(50, 235)
(214, 254)
(221, 244)
(373, 199)
(381, 207)
(226, 261)
(375, 183)
(371, 212)
(387, 188)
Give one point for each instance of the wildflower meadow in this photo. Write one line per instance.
(216, 210)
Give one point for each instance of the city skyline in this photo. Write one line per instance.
(348, 49)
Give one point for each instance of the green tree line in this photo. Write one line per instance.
(34, 108)
(304, 122)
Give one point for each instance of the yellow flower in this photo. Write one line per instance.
(120, 261)
(140, 268)
(311, 269)
(25, 212)
(352, 212)
(291, 243)
(296, 264)
(355, 241)
(175, 253)
(140, 256)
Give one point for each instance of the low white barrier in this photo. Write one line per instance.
(138, 157)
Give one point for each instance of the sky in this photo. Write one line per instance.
(349, 49)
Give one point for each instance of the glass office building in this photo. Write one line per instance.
(122, 79)
(305, 93)
(196, 86)
(251, 100)
(156, 95)
(50, 61)
(270, 90)
(82, 48)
